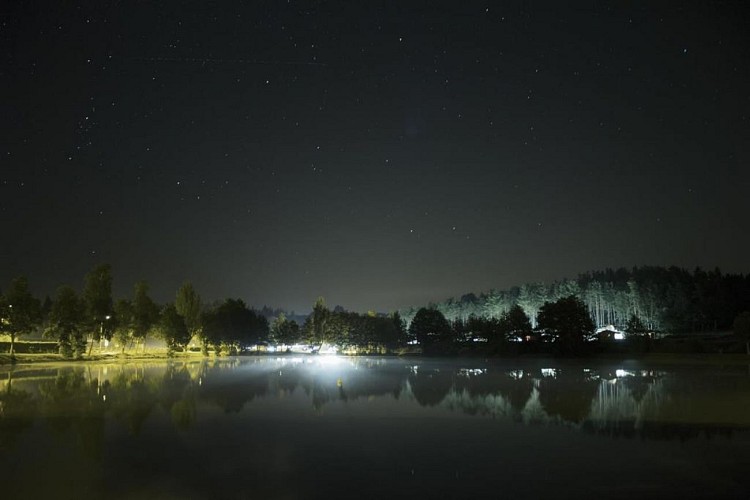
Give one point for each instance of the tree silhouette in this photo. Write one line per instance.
(66, 321)
(20, 312)
(188, 305)
(97, 297)
(568, 321)
(431, 329)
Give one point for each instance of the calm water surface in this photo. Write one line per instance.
(334, 427)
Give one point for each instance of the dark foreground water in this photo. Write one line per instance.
(331, 427)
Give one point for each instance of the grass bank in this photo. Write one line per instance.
(107, 357)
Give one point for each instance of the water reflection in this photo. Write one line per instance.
(76, 402)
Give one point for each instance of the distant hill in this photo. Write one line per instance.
(665, 299)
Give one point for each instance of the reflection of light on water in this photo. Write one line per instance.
(467, 372)
(294, 360)
(328, 360)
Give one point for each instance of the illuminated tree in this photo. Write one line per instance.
(20, 312)
(285, 331)
(97, 297)
(316, 325)
(145, 312)
(531, 297)
(66, 322)
(568, 321)
(188, 305)
(124, 322)
(173, 329)
(493, 304)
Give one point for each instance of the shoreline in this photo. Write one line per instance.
(123, 358)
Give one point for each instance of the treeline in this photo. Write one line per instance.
(560, 318)
(81, 321)
(663, 299)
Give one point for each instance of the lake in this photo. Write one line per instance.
(338, 427)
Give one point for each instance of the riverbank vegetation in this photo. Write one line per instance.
(615, 312)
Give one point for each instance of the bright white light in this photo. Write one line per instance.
(467, 372)
(300, 348)
(549, 372)
(328, 349)
(623, 373)
(619, 336)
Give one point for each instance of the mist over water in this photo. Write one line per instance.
(321, 426)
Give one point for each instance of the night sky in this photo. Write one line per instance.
(380, 154)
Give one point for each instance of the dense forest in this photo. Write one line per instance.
(670, 300)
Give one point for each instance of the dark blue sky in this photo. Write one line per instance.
(380, 155)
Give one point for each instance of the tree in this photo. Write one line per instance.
(173, 329)
(284, 331)
(635, 326)
(145, 312)
(568, 321)
(531, 297)
(232, 325)
(20, 312)
(399, 332)
(316, 326)
(188, 305)
(484, 329)
(514, 324)
(430, 328)
(97, 297)
(741, 328)
(66, 322)
(124, 321)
